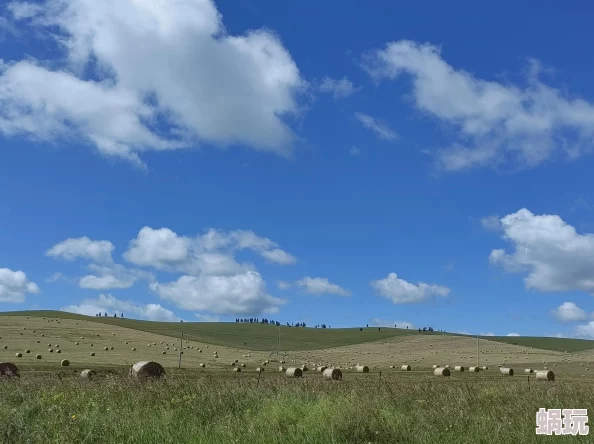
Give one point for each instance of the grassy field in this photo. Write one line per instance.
(233, 408)
(239, 335)
(52, 404)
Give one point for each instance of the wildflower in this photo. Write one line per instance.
(73, 417)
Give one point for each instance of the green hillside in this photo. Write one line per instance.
(557, 344)
(248, 336)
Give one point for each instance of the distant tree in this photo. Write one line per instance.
(379, 329)
(122, 315)
(360, 328)
(367, 325)
(419, 329)
(406, 327)
(105, 315)
(115, 315)
(323, 325)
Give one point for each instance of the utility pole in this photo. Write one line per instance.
(181, 347)
(477, 351)
(277, 341)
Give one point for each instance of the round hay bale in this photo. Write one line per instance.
(484, 367)
(37, 356)
(92, 353)
(19, 355)
(202, 365)
(332, 373)
(459, 368)
(259, 369)
(164, 352)
(233, 364)
(65, 363)
(474, 369)
(105, 348)
(281, 369)
(545, 375)
(88, 373)
(507, 371)
(9, 370)
(51, 350)
(58, 351)
(362, 369)
(237, 369)
(133, 349)
(441, 371)
(5, 347)
(405, 368)
(437, 366)
(147, 369)
(27, 351)
(294, 372)
(528, 370)
(321, 368)
(76, 343)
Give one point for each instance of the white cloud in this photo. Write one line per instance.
(83, 248)
(569, 312)
(109, 304)
(490, 333)
(491, 223)
(513, 334)
(283, 285)
(319, 286)
(402, 292)
(241, 294)
(376, 322)
(380, 129)
(496, 122)
(14, 285)
(211, 252)
(551, 252)
(355, 151)
(157, 62)
(586, 330)
(207, 318)
(338, 88)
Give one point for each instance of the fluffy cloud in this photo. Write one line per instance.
(586, 330)
(240, 294)
(210, 253)
(14, 285)
(319, 286)
(338, 88)
(490, 333)
(381, 130)
(82, 248)
(109, 304)
(107, 274)
(396, 324)
(513, 334)
(552, 253)
(402, 292)
(570, 312)
(155, 63)
(495, 122)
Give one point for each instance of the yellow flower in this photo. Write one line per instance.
(73, 417)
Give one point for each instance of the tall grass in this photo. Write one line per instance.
(189, 408)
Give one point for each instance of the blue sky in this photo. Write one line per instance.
(345, 163)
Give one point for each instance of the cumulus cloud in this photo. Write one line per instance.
(490, 333)
(400, 291)
(570, 312)
(14, 285)
(585, 330)
(156, 65)
(319, 286)
(513, 334)
(240, 294)
(495, 122)
(552, 253)
(338, 88)
(108, 304)
(380, 129)
(82, 248)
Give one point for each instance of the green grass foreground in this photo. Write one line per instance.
(187, 408)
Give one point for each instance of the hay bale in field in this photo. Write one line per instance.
(88, 373)
(281, 369)
(474, 369)
(37, 356)
(332, 373)
(51, 350)
(441, 371)
(92, 353)
(76, 343)
(507, 371)
(164, 352)
(545, 375)
(321, 368)
(528, 370)
(294, 372)
(19, 355)
(362, 369)
(147, 369)
(65, 363)
(5, 347)
(58, 351)
(459, 368)
(202, 366)
(237, 369)
(405, 368)
(447, 366)
(9, 370)
(27, 351)
(391, 366)
(259, 369)
(133, 349)
(484, 367)
(437, 366)
(242, 365)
